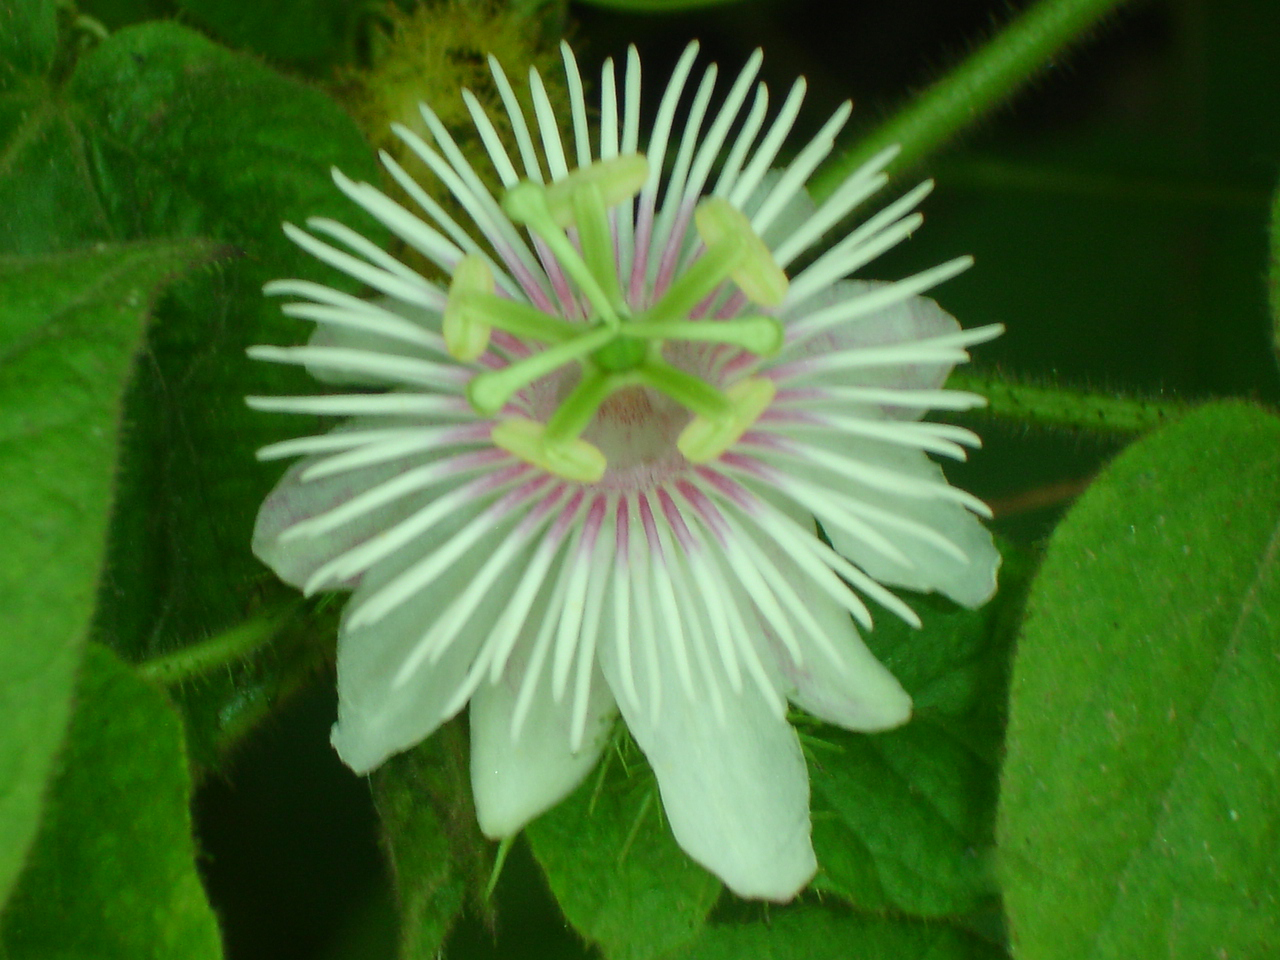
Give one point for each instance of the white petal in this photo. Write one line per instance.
(378, 716)
(736, 794)
(332, 335)
(515, 780)
(797, 210)
(294, 500)
(906, 322)
(859, 694)
(932, 569)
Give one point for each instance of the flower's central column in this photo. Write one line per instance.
(615, 348)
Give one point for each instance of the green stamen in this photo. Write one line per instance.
(489, 391)
(685, 389)
(574, 460)
(695, 284)
(618, 179)
(577, 409)
(761, 335)
(526, 203)
(517, 319)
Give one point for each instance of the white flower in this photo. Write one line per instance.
(592, 483)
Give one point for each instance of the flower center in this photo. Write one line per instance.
(616, 349)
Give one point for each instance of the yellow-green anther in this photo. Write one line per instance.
(489, 390)
(705, 438)
(693, 286)
(760, 335)
(758, 274)
(685, 389)
(466, 332)
(617, 179)
(526, 203)
(574, 459)
(519, 319)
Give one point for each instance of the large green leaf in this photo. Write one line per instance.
(615, 869)
(809, 933)
(187, 137)
(69, 328)
(429, 831)
(112, 874)
(905, 819)
(1140, 803)
(159, 132)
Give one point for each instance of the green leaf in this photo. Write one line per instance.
(112, 875)
(1140, 801)
(303, 33)
(159, 132)
(810, 933)
(437, 853)
(28, 39)
(189, 137)
(615, 869)
(69, 328)
(905, 819)
(46, 188)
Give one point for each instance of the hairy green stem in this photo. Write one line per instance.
(989, 77)
(1065, 407)
(227, 647)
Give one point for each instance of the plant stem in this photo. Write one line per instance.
(989, 77)
(1066, 407)
(219, 650)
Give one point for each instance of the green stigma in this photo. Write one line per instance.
(615, 348)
